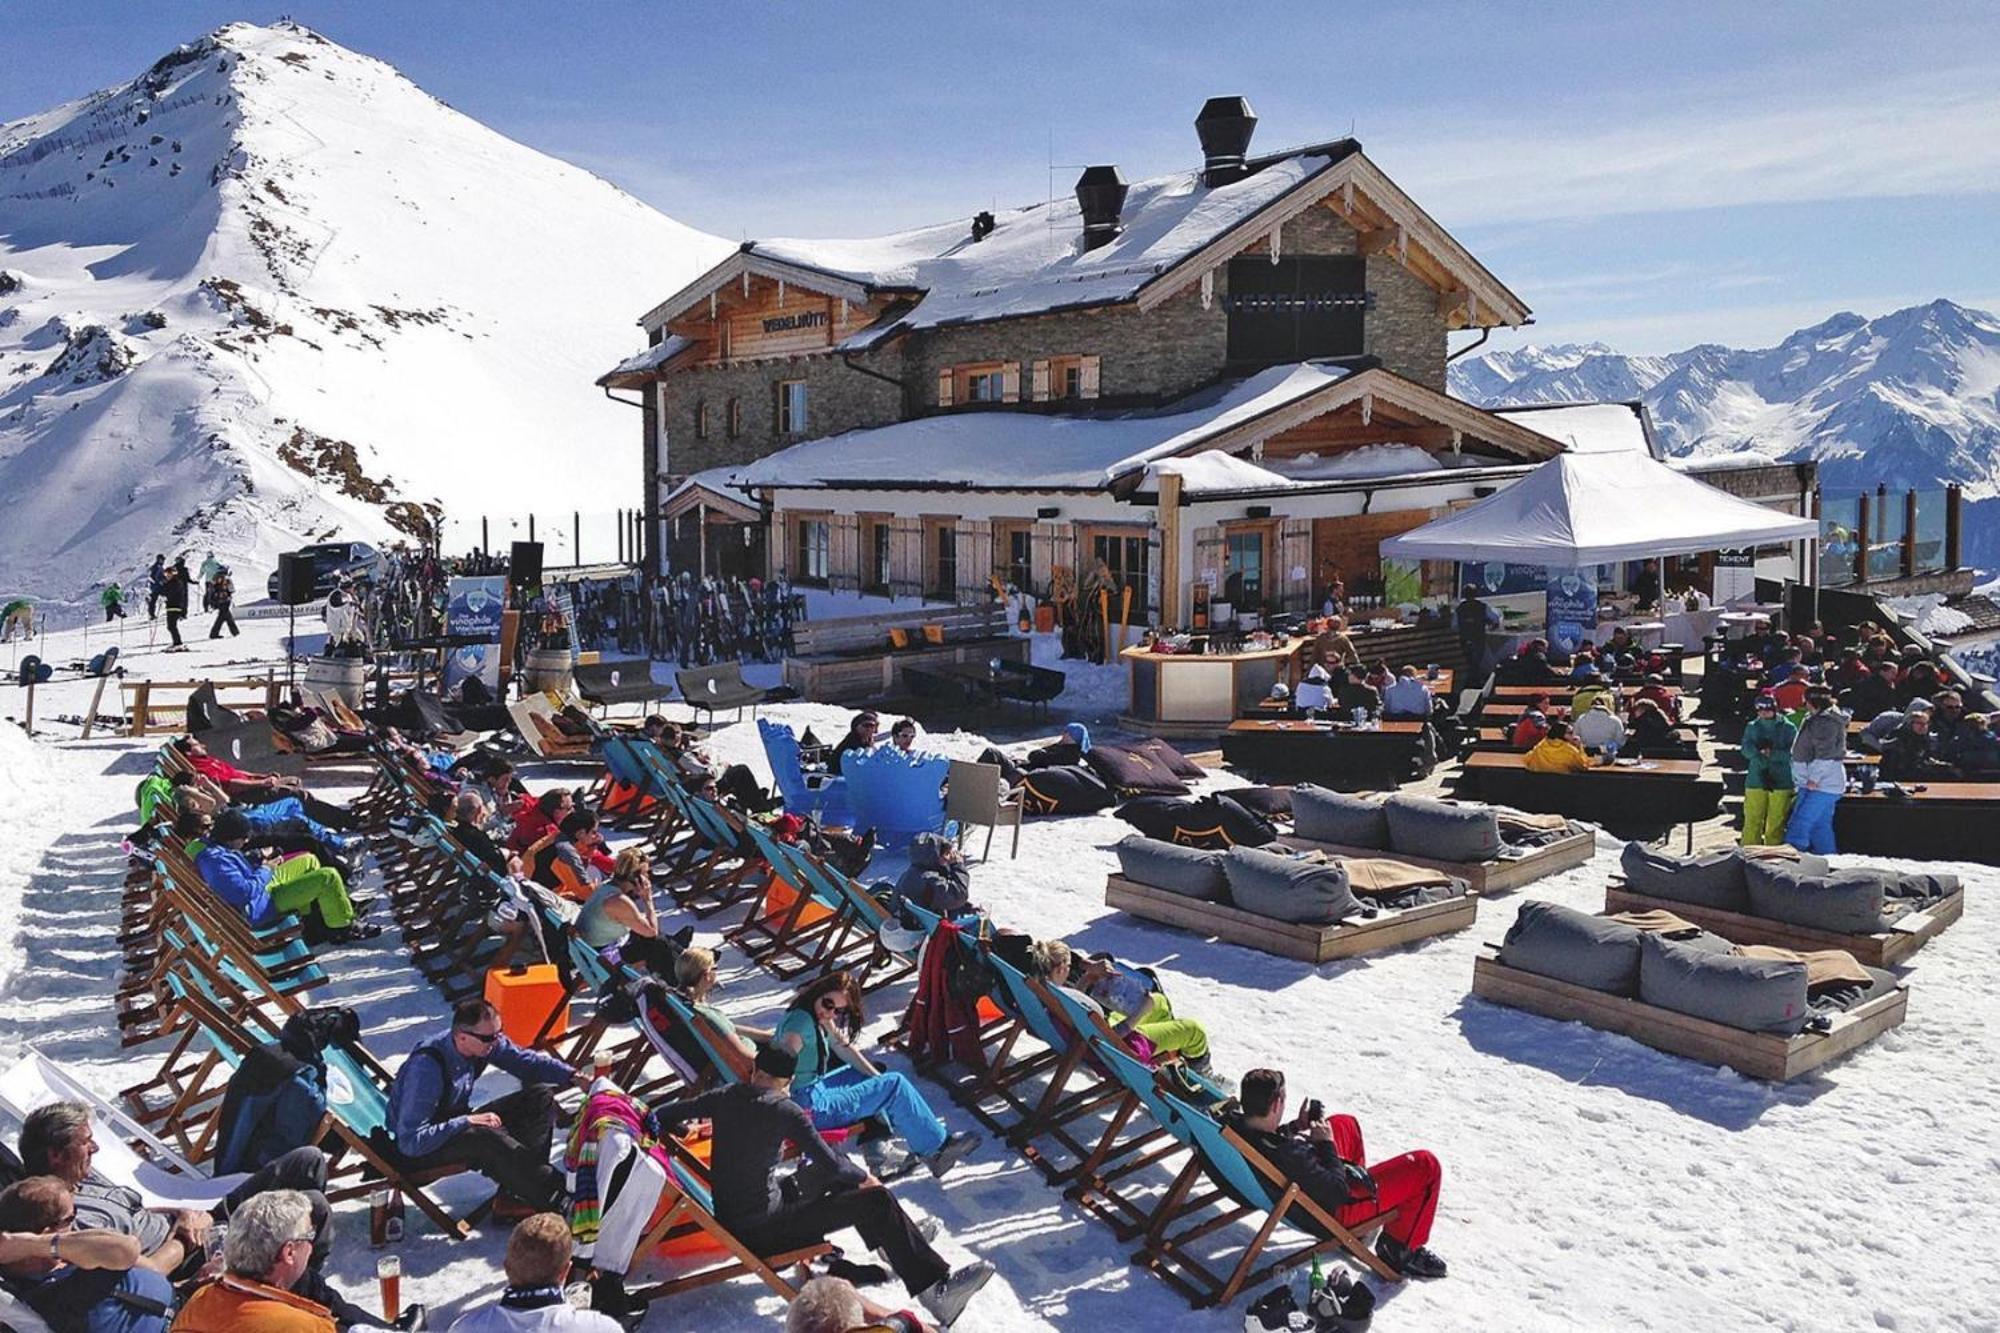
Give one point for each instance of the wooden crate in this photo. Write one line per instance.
(1759, 1054)
(1883, 948)
(1487, 878)
(1312, 944)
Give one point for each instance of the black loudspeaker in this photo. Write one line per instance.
(524, 568)
(1258, 511)
(295, 580)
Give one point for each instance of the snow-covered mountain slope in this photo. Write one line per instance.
(1908, 399)
(272, 290)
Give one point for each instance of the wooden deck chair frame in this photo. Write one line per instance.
(1098, 1185)
(686, 1214)
(857, 942)
(366, 1169)
(790, 925)
(1167, 1252)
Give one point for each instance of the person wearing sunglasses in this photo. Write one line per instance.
(507, 1140)
(88, 1281)
(839, 1086)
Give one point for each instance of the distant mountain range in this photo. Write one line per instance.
(271, 290)
(1908, 399)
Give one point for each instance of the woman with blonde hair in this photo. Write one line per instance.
(619, 920)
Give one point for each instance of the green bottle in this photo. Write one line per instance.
(1318, 1278)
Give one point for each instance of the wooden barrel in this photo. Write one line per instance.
(346, 677)
(548, 669)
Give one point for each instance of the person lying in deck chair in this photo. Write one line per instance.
(260, 890)
(279, 826)
(78, 1279)
(620, 922)
(538, 817)
(469, 816)
(1131, 999)
(247, 788)
(1326, 1157)
(938, 879)
(840, 1087)
(507, 1140)
(753, 1122)
(57, 1140)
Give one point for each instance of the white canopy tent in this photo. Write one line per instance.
(1582, 509)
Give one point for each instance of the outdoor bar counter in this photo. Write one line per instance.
(1200, 694)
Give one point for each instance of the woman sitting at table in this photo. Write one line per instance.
(1352, 692)
(1314, 694)
(1597, 728)
(1557, 753)
(1652, 732)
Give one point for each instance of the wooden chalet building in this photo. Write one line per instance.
(1233, 374)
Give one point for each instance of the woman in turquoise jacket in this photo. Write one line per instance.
(1767, 782)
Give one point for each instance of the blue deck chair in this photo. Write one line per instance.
(895, 794)
(826, 803)
(790, 924)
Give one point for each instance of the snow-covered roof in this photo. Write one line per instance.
(715, 484)
(1033, 450)
(652, 358)
(1589, 428)
(1033, 261)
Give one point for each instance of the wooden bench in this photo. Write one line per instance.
(161, 705)
(1655, 793)
(850, 659)
(708, 688)
(1488, 878)
(1882, 948)
(1388, 753)
(1763, 1055)
(1288, 939)
(1946, 821)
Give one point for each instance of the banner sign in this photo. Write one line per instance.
(469, 661)
(473, 607)
(1492, 578)
(1572, 610)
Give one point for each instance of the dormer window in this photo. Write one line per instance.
(1066, 377)
(985, 386)
(980, 382)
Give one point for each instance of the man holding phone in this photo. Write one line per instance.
(1326, 1157)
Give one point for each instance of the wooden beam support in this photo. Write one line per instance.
(1379, 241)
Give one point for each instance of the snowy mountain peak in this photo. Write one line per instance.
(1910, 398)
(264, 234)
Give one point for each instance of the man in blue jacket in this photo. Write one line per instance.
(507, 1140)
(260, 891)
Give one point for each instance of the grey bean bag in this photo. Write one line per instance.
(1443, 832)
(1188, 871)
(1714, 880)
(1754, 994)
(1560, 942)
(1289, 888)
(1332, 816)
(1848, 902)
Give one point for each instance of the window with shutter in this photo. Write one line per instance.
(1039, 382)
(1010, 382)
(946, 382)
(1087, 377)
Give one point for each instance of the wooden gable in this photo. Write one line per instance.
(758, 318)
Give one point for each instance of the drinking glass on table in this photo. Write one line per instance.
(389, 1272)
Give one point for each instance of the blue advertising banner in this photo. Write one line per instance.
(1572, 612)
(1490, 579)
(473, 607)
(468, 661)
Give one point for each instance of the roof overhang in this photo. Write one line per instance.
(746, 264)
(1364, 387)
(696, 493)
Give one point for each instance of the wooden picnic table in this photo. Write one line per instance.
(1939, 821)
(1646, 794)
(1565, 689)
(1332, 754)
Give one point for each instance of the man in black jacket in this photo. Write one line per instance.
(753, 1122)
(1326, 1157)
(174, 588)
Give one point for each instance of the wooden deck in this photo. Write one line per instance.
(1885, 948)
(1287, 939)
(1487, 878)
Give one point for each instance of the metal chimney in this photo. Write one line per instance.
(1225, 126)
(1100, 194)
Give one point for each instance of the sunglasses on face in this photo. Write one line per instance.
(831, 1005)
(483, 1038)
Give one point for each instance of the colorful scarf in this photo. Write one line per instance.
(586, 1212)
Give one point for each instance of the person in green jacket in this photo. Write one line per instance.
(1767, 782)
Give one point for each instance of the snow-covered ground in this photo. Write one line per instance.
(1590, 1182)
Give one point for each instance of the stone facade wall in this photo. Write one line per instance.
(838, 399)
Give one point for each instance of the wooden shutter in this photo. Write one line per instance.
(1064, 553)
(1088, 380)
(946, 384)
(843, 571)
(1294, 554)
(975, 559)
(1039, 381)
(1010, 382)
(777, 541)
(906, 556)
(1041, 557)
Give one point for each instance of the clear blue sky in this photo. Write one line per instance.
(1652, 175)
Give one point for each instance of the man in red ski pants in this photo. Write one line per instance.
(1327, 1158)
